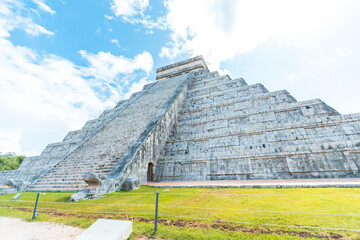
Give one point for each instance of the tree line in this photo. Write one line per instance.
(10, 161)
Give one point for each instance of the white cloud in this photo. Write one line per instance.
(129, 8)
(13, 14)
(46, 96)
(44, 7)
(344, 51)
(36, 30)
(10, 141)
(43, 96)
(147, 22)
(115, 41)
(106, 66)
(220, 29)
(133, 11)
(108, 17)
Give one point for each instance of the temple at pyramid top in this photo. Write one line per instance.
(182, 67)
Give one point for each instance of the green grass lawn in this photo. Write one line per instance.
(205, 213)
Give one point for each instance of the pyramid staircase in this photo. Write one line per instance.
(104, 148)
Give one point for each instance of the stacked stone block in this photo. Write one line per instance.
(229, 130)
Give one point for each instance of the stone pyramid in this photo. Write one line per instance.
(193, 124)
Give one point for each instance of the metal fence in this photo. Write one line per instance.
(158, 207)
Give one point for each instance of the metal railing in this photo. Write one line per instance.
(153, 213)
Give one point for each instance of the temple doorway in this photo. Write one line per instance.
(150, 172)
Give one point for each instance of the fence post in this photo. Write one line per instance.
(36, 203)
(156, 211)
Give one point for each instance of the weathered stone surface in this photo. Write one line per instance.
(97, 185)
(182, 67)
(8, 191)
(91, 179)
(131, 183)
(81, 195)
(19, 185)
(125, 131)
(193, 124)
(229, 130)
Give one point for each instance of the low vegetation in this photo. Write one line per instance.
(10, 161)
(204, 213)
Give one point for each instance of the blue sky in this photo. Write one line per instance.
(63, 62)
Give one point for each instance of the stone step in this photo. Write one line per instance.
(84, 168)
(60, 181)
(55, 189)
(61, 185)
(259, 100)
(245, 107)
(193, 133)
(62, 175)
(88, 161)
(209, 81)
(216, 91)
(75, 173)
(216, 86)
(87, 164)
(263, 113)
(205, 75)
(64, 182)
(228, 144)
(206, 81)
(263, 152)
(205, 102)
(295, 121)
(236, 92)
(216, 156)
(271, 135)
(264, 148)
(81, 156)
(281, 124)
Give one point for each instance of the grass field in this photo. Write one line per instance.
(204, 213)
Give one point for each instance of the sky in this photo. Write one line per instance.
(63, 62)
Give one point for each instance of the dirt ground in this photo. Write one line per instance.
(17, 229)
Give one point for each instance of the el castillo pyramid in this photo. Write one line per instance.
(193, 124)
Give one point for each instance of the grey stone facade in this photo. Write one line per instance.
(193, 124)
(228, 130)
